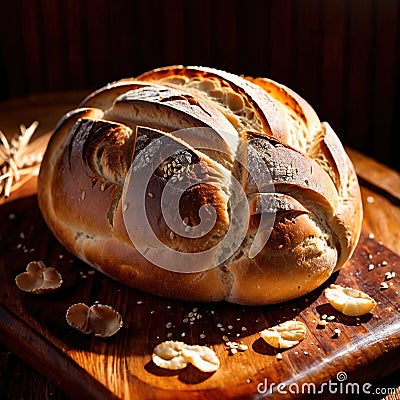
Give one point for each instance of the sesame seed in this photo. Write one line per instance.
(305, 352)
(230, 327)
(83, 195)
(370, 199)
(384, 286)
(202, 336)
(172, 235)
(183, 334)
(279, 356)
(384, 263)
(336, 332)
(139, 302)
(390, 275)
(125, 207)
(225, 338)
(244, 329)
(322, 322)
(371, 267)
(152, 312)
(185, 220)
(243, 347)
(185, 320)
(168, 325)
(324, 316)
(169, 335)
(22, 235)
(11, 216)
(151, 195)
(330, 318)
(219, 325)
(233, 350)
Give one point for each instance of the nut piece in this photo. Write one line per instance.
(100, 320)
(38, 278)
(285, 335)
(169, 355)
(202, 357)
(349, 301)
(177, 355)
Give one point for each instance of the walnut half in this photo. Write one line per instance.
(38, 278)
(100, 320)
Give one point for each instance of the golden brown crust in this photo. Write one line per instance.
(304, 206)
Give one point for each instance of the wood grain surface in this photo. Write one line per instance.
(34, 327)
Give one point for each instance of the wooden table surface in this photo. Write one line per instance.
(381, 196)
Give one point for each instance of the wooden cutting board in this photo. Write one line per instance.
(34, 327)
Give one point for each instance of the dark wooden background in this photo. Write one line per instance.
(340, 55)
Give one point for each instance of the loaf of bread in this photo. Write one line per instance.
(200, 185)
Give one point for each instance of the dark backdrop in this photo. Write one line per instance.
(342, 56)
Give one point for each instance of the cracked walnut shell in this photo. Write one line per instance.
(38, 278)
(100, 320)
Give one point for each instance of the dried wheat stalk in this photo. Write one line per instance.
(19, 160)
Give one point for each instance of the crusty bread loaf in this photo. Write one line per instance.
(247, 154)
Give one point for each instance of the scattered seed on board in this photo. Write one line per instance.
(384, 286)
